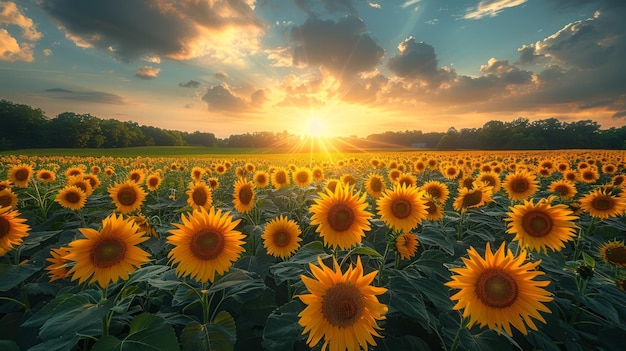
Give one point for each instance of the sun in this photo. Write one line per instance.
(315, 128)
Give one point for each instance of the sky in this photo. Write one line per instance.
(320, 67)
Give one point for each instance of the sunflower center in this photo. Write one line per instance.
(343, 305)
(401, 208)
(537, 223)
(261, 179)
(472, 199)
(520, 186)
(281, 178)
(376, 185)
(468, 183)
(496, 288)
(245, 194)
(615, 255)
(199, 197)
(588, 175)
(126, 196)
(46, 175)
(108, 252)
(153, 182)
(302, 177)
(434, 192)
(282, 239)
(72, 197)
(22, 174)
(562, 189)
(207, 245)
(489, 180)
(602, 203)
(340, 217)
(5, 201)
(431, 208)
(135, 177)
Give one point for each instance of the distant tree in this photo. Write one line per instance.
(22, 126)
(71, 130)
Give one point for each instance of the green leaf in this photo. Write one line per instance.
(146, 273)
(219, 335)
(284, 271)
(590, 261)
(147, 332)
(9, 345)
(364, 250)
(60, 343)
(234, 277)
(12, 275)
(282, 329)
(404, 297)
(443, 238)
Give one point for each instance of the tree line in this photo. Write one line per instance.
(25, 127)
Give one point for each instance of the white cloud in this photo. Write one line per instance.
(491, 8)
(147, 72)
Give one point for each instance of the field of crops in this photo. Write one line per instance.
(389, 251)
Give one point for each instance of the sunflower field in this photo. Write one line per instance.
(467, 250)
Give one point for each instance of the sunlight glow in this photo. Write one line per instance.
(315, 128)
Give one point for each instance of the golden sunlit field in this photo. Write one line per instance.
(464, 250)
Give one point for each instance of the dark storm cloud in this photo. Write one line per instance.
(343, 47)
(418, 61)
(89, 96)
(507, 74)
(136, 28)
(619, 114)
(190, 84)
(600, 103)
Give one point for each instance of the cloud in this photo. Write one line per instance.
(220, 75)
(190, 84)
(418, 61)
(491, 8)
(329, 6)
(86, 96)
(177, 30)
(223, 98)
(506, 73)
(147, 72)
(343, 47)
(10, 48)
(374, 5)
(619, 114)
(409, 3)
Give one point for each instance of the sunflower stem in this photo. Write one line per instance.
(457, 337)
(459, 228)
(13, 300)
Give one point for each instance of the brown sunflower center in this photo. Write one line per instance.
(45, 175)
(5, 226)
(520, 186)
(246, 194)
(282, 239)
(281, 178)
(431, 207)
(108, 252)
(616, 255)
(562, 189)
(81, 185)
(207, 245)
(72, 197)
(602, 203)
(22, 174)
(261, 179)
(472, 199)
(489, 180)
(451, 171)
(496, 288)
(343, 305)
(401, 208)
(537, 223)
(434, 191)
(153, 182)
(302, 177)
(340, 217)
(376, 185)
(588, 175)
(199, 197)
(5, 201)
(135, 177)
(126, 196)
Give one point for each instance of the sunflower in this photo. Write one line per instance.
(220, 169)
(609, 168)
(407, 179)
(520, 185)
(71, 197)
(347, 179)
(8, 198)
(589, 175)
(13, 229)
(342, 308)
(614, 252)
(241, 172)
(57, 269)
(438, 190)
(541, 226)
(153, 181)
(318, 174)
(566, 190)
(5, 184)
(243, 196)
(199, 196)
(341, 217)
(95, 169)
(46, 176)
(478, 196)
(375, 185)
(280, 178)
(570, 176)
(249, 167)
(107, 255)
(490, 178)
(109, 171)
(93, 181)
(281, 237)
(406, 245)
(137, 175)
(402, 208)
(80, 183)
(261, 179)
(214, 183)
(499, 290)
(197, 173)
(127, 197)
(619, 180)
(599, 203)
(331, 184)
(393, 175)
(20, 175)
(302, 177)
(204, 244)
(450, 171)
(144, 225)
(74, 171)
(434, 209)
